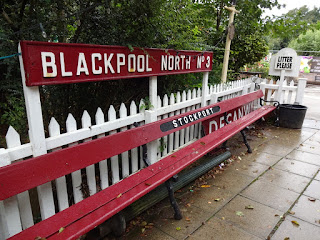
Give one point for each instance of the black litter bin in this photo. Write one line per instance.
(291, 116)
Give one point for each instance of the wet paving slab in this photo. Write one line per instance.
(217, 228)
(287, 180)
(270, 195)
(305, 157)
(307, 209)
(297, 167)
(258, 220)
(313, 190)
(289, 230)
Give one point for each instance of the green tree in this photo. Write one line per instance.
(310, 41)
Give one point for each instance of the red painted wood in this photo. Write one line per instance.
(27, 174)
(89, 213)
(130, 67)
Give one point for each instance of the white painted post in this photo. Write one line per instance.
(300, 90)
(37, 139)
(151, 116)
(279, 96)
(205, 89)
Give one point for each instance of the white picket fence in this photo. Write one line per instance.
(24, 210)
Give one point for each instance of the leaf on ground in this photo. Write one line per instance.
(286, 238)
(148, 184)
(239, 158)
(239, 213)
(295, 223)
(217, 200)
(312, 199)
(119, 195)
(202, 143)
(249, 207)
(144, 223)
(178, 228)
(173, 156)
(61, 230)
(291, 212)
(188, 219)
(205, 186)
(143, 230)
(40, 238)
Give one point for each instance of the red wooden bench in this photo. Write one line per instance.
(94, 210)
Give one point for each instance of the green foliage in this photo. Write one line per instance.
(13, 111)
(289, 26)
(310, 41)
(176, 24)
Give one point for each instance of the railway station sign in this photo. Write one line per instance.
(58, 63)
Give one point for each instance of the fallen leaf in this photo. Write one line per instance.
(239, 158)
(249, 207)
(239, 213)
(277, 215)
(217, 200)
(205, 186)
(286, 238)
(202, 143)
(40, 238)
(188, 219)
(291, 212)
(119, 195)
(144, 223)
(312, 199)
(151, 224)
(148, 184)
(178, 228)
(223, 218)
(143, 230)
(61, 230)
(173, 156)
(209, 202)
(295, 223)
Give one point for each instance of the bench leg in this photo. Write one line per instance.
(245, 141)
(224, 145)
(174, 204)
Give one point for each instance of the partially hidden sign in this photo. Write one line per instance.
(285, 61)
(58, 63)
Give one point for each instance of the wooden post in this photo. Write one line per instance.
(205, 89)
(37, 139)
(230, 35)
(151, 116)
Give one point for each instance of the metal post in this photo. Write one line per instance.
(230, 35)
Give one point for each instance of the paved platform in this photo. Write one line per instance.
(273, 193)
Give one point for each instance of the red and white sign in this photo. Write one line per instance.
(218, 122)
(57, 63)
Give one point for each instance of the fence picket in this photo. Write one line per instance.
(90, 171)
(124, 155)
(164, 143)
(62, 194)
(187, 130)
(290, 93)
(114, 160)
(103, 165)
(134, 152)
(177, 133)
(71, 126)
(13, 140)
(171, 136)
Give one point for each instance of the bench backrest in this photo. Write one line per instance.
(24, 175)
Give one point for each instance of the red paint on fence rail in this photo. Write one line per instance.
(57, 63)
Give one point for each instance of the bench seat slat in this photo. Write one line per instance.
(24, 175)
(89, 213)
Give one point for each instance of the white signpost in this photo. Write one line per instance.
(285, 63)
